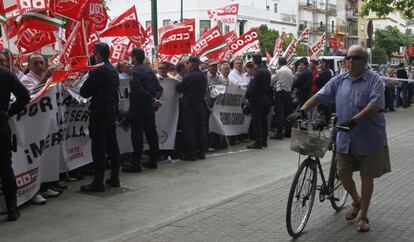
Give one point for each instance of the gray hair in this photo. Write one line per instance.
(361, 49)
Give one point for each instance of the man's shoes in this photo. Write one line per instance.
(13, 214)
(61, 185)
(133, 168)
(278, 136)
(113, 182)
(38, 200)
(363, 225)
(93, 187)
(211, 149)
(150, 165)
(201, 156)
(50, 193)
(188, 158)
(254, 146)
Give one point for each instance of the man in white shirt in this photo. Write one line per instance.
(282, 82)
(36, 66)
(236, 75)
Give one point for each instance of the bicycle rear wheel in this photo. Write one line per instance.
(301, 197)
(339, 194)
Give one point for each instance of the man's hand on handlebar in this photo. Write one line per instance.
(347, 125)
(293, 117)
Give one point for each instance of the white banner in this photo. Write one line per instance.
(73, 119)
(227, 117)
(166, 118)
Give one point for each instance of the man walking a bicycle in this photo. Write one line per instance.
(361, 142)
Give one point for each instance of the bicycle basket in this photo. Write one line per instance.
(307, 143)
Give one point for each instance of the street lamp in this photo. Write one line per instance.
(154, 20)
(182, 9)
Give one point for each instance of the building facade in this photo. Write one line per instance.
(280, 15)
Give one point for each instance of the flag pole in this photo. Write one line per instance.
(85, 40)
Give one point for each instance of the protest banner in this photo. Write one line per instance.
(227, 117)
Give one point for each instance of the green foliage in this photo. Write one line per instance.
(384, 7)
(390, 39)
(379, 56)
(267, 38)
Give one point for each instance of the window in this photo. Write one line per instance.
(205, 25)
(226, 29)
(275, 9)
(166, 22)
(147, 23)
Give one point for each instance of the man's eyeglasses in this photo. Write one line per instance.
(354, 57)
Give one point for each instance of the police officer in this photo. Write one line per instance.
(9, 84)
(103, 85)
(259, 95)
(143, 102)
(193, 87)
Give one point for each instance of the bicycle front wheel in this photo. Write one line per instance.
(338, 193)
(301, 197)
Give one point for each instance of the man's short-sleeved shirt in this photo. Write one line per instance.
(351, 97)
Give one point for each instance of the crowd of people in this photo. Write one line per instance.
(271, 93)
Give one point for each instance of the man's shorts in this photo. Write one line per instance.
(370, 166)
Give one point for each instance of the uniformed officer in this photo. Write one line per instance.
(259, 95)
(103, 85)
(193, 87)
(143, 102)
(9, 84)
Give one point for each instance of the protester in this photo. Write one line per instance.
(213, 78)
(236, 75)
(362, 145)
(102, 86)
(258, 93)
(282, 82)
(303, 82)
(9, 63)
(144, 101)
(194, 86)
(33, 78)
(181, 71)
(224, 76)
(390, 90)
(9, 84)
(402, 88)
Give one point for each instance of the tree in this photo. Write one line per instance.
(384, 7)
(379, 56)
(391, 39)
(267, 38)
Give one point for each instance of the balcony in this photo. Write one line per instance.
(332, 9)
(351, 15)
(353, 32)
(288, 18)
(318, 27)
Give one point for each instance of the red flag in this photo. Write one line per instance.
(248, 42)
(119, 52)
(210, 44)
(268, 56)
(279, 44)
(226, 15)
(189, 23)
(148, 37)
(97, 15)
(32, 5)
(225, 54)
(139, 40)
(31, 40)
(72, 9)
(127, 15)
(13, 27)
(175, 42)
(177, 39)
(127, 28)
(7, 6)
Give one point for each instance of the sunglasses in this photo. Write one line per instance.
(354, 57)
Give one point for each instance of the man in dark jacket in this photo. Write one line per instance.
(102, 86)
(259, 94)
(143, 102)
(9, 84)
(303, 82)
(402, 87)
(193, 87)
(324, 76)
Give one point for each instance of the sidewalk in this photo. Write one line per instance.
(236, 196)
(259, 215)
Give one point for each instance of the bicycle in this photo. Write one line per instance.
(309, 139)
